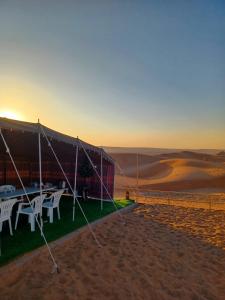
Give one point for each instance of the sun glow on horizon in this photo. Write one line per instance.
(10, 115)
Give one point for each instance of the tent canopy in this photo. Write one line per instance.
(22, 126)
(22, 139)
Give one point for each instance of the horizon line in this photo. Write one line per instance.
(166, 148)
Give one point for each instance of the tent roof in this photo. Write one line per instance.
(10, 124)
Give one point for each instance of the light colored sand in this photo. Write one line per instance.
(176, 169)
(214, 201)
(163, 252)
(172, 171)
(212, 185)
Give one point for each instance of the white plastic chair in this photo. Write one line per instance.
(7, 188)
(35, 209)
(5, 213)
(53, 202)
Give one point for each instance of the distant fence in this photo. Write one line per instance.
(187, 199)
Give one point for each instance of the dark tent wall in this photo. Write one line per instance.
(24, 149)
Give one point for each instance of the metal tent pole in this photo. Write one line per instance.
(25, 192)
(40, 164)
(101, 183)
(68, 182)
(75, 183)
(99, 177)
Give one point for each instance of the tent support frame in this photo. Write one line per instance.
(25, 192)
(102, 183)
(67, 180)
(75, 184)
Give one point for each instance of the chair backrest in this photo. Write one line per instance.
(37, 203)
(56, 196)
(7, 188)
(6, 209)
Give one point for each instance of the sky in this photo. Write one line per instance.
(117, 73)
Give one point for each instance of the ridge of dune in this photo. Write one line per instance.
(189, 169)
(176, 169)
(173, 171)
(156, 169)
(211, 183)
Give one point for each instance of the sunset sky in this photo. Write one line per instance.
(117, 73)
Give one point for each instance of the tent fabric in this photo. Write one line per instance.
(22, 139)
(34, 128)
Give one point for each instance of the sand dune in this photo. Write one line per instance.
(172, 171)
(217, 184)
(177, 169)
(151, 170)
(190, 169)
(158, 151)
(163, 252)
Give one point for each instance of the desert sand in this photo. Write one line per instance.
(162, 252)
(183, 171)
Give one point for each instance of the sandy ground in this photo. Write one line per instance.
(163, 252)
(215, 205)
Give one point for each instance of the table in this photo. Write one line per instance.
(20, 192)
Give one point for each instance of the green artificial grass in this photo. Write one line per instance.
(23, 240)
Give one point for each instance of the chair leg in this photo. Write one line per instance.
(10, 226)
(32, 222)
(17, 217)
(51, 215)
(58, 212)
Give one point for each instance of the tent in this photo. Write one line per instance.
(22, 139)
(31, 153)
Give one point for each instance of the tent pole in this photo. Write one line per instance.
(99, 177)
(75, 183)
(68, 182)
(101, 183)
(25, 192)
(137, 175)
(40, 164)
